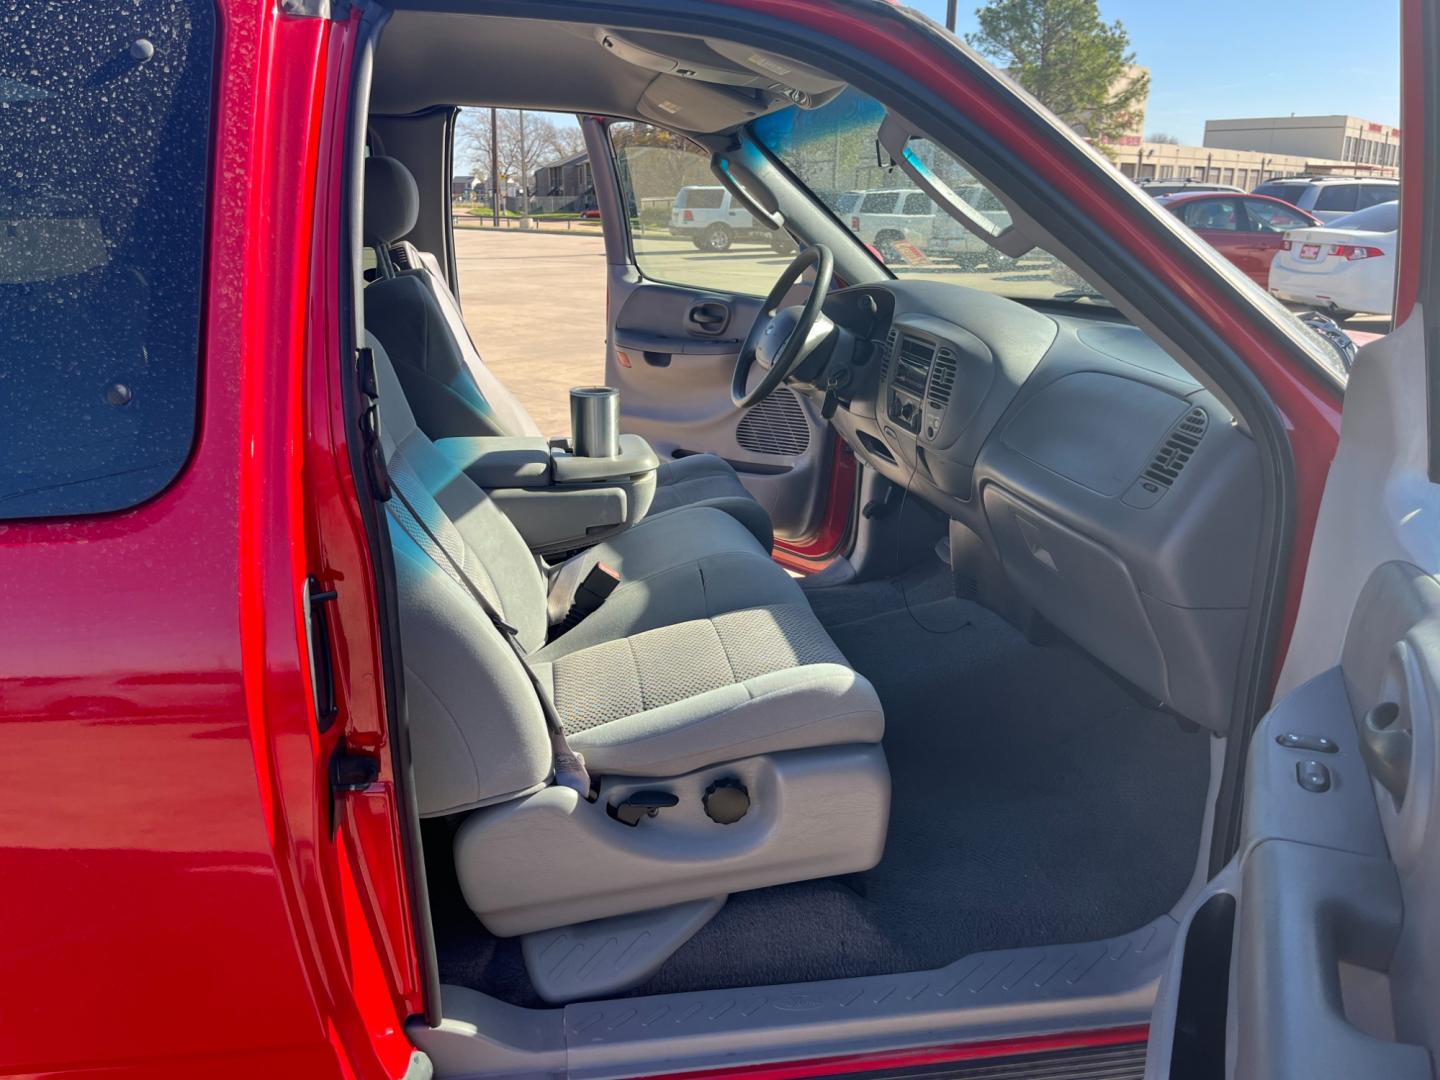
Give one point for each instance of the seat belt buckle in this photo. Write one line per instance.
(599, 583)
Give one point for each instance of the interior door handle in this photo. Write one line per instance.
(709, 316)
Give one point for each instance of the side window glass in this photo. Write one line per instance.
(104, 117)
(1215, 214)
(917, 202)
(1337, 197)
(1271, 217)
(878, 202)
(683, 229)
(1371, 194)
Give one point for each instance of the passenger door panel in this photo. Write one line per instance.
(1334, 942)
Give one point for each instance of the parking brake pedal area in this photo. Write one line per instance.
(610, 956)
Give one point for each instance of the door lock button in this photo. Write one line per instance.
(1315, 744)
(1312, 776)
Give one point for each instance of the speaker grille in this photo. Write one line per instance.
(775, 426)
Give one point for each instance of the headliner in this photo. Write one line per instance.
(430, 58)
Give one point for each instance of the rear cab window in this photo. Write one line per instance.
(104, 116)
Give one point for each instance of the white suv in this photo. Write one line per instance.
(1330, 197)
(884, 217)
(708, 218)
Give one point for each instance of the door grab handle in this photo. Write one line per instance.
(1386, 747)
(708, 316)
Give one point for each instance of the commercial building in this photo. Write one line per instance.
(1363, 146)
(1247, 152)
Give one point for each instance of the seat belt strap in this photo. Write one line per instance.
(569, 766)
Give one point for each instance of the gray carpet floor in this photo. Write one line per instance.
(1035, 802)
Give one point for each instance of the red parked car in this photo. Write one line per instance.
(1247, 229)
(900, 675)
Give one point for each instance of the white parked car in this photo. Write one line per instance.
(1344, 267)
(886, 216)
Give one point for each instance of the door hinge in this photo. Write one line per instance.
(369, 381)
(350, 770)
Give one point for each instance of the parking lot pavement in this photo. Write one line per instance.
(535, 306)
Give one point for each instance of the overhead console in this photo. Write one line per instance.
(1113, 492)
(722, 63)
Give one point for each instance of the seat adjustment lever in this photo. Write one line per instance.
(642, 804)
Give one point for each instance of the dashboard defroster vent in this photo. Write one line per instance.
(1177, 448)
(942, 379)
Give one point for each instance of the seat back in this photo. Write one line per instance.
(411, 310)
(478, 733)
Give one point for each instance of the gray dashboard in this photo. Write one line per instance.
(1118, 495)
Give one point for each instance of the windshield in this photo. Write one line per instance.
(833, 151)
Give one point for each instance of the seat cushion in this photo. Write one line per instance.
(689, 563)
(708, 480)
(753, 681)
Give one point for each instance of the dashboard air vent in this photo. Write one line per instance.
(942, 379)
(892, 340)
(1177, 448)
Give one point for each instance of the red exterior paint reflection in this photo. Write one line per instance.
(174, 904)
(891, 1062)
(816, 551)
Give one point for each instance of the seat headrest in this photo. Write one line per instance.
(392, 201)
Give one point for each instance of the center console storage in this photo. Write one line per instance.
(560, 500)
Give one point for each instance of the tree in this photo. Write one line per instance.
(526, 141)
(1068, 58)
(1162, 137)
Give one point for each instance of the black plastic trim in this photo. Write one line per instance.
(351, 306)
(1428, 293)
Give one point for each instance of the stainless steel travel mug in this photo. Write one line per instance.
(595, 421)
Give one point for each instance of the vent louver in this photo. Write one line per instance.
(777, 425)
(942, 379)
(400, 256)
(1177, 448)
(892, 340)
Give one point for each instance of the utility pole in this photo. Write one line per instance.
(950, 7)
(524, 177)
(494, 168)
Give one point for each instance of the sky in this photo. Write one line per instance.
(1230, 58)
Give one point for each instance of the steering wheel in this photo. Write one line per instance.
(782, 337)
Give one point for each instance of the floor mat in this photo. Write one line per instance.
(1034, 802)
